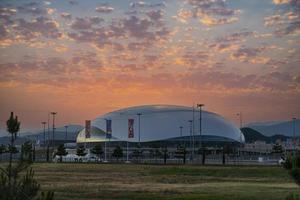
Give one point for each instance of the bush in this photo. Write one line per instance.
(297, 161)
(288, 164)
(295, 173)
(292, 197)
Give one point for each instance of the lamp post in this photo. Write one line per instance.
(200, 130)
(180, 127)
(240, 118)
(191, 139)
(241, 125)
(139, 116)
(200, 124)
(44, 126)
(53, 130)
(294, 133)
(66, 137)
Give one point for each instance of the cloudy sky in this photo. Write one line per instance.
(85, 58)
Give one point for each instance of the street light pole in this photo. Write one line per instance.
(241, 125)
(180, 127)
(139, 116)
(66, 132)
(294, 133)
(53, 130)
(191, 139)
(200, 124)
(241, 119)
(200, 131)
(44, 126)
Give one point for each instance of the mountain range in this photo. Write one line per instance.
(284, 128)
(252, 135)
(60, 134)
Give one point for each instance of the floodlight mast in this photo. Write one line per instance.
(53, 130)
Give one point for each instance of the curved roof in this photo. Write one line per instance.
(162, 122)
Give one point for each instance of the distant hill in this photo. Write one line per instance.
(276, 128)
(252, 135)
(60, 134)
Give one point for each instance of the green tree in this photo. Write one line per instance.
(12, 186)
(166, 154)
(80, 151)
(181, 153)
(26, 151)
(13, 127)
(277, 148)
(118, 152)
(2, 150)
(292, 164)
(61, 151)
(97, 150)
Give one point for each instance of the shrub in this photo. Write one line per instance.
(292, 197)
(288, 164)
(297, 161)
(295, 173)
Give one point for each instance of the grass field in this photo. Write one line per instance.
(112, 181)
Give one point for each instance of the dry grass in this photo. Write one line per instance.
(112, 181)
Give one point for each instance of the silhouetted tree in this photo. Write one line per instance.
(97, 150)
(80, 151)
(118, 152)
(277, 148)
(61, 151)
(2, 150)
(181, 153)
(47, 154)
(12, 186)
(166, 155)
(26, 151)
(292, 164)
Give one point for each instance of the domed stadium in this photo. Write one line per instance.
(162, 123)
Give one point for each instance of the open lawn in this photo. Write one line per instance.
(121, 181)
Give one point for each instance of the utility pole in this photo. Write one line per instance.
(191, 140)
(53, 129)
(139, 116)
(200, 128)
(66, 137)
(294, 134)
(44, 126)
(180, 127)
(241, 125)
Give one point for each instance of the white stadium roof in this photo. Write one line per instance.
(161, 122)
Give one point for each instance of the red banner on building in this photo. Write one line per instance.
(130, 128)
(87, 128)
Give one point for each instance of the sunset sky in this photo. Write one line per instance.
(85, 58)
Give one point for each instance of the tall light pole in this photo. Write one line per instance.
(200, 124)
(139, 116)
(44, 126)
(66, 137)
(180, 127)
(53, 130)
(241, 119)
(191, 139)
(200, 131)
(294, 133)
(241, 125)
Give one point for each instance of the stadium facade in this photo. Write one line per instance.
(154, 124)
